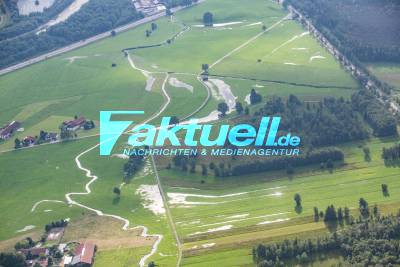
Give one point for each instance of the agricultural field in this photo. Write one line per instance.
(229, 213)
(161, 214)
(387, 72)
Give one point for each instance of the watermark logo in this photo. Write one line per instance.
(191, 134)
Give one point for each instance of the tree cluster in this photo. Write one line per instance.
(133, 165)
(391, 154)
(60, 223)
(378, 117)
(12, 260)
(366, 242)
(21, 24)
(329, 122)
(93, 18)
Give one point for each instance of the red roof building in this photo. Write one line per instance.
(84, 255)
(34, 252)
(75, 124)
(9, 129)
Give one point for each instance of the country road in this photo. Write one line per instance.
(88, 41)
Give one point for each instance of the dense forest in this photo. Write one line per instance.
(363, 29)
(95, 17)
(22, 24)
(372, 241)
(379, 118)
(329, 122)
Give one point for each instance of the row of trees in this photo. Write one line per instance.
(317, 156)
(60, 223)
(325, 157)
(391, 154)
(93, 18)
(371, 241)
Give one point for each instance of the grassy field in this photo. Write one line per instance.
(235, 212)
(82, 82)
(387, 72)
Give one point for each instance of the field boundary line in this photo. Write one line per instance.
(168, 212)
(249, 41)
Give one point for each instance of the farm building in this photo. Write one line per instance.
(29, 140)
(84, 256)
(8, 130)
(41, 262)
(34, 252)
(149, 7)
(75, 124)
(55, 233)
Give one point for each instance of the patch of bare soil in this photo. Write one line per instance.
(105, 232)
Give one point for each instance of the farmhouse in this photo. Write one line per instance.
(84, 256)
(50, 137)
(29, 141)
(55, 233)
(149, 7)
(7, 131)
(75, 124)
(34, 252)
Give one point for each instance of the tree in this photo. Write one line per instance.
(192, 166)
(289, 169)
(50, 261)
(329, 164)
(174, 120)
(297, 199)
(367, 154)
(204, 170)
(340, 216)
(364, 210)
(17, 143)
(346, 213)
(117, 191)
(255, 98)
(148, 33)
(113, 33)
(151, 264)
(264, 28)
(376, 211)
(385, 190)
(208, 19)
(223, 108)
(316, 214)
(204, 67)
(239, 108)
(330, 214)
